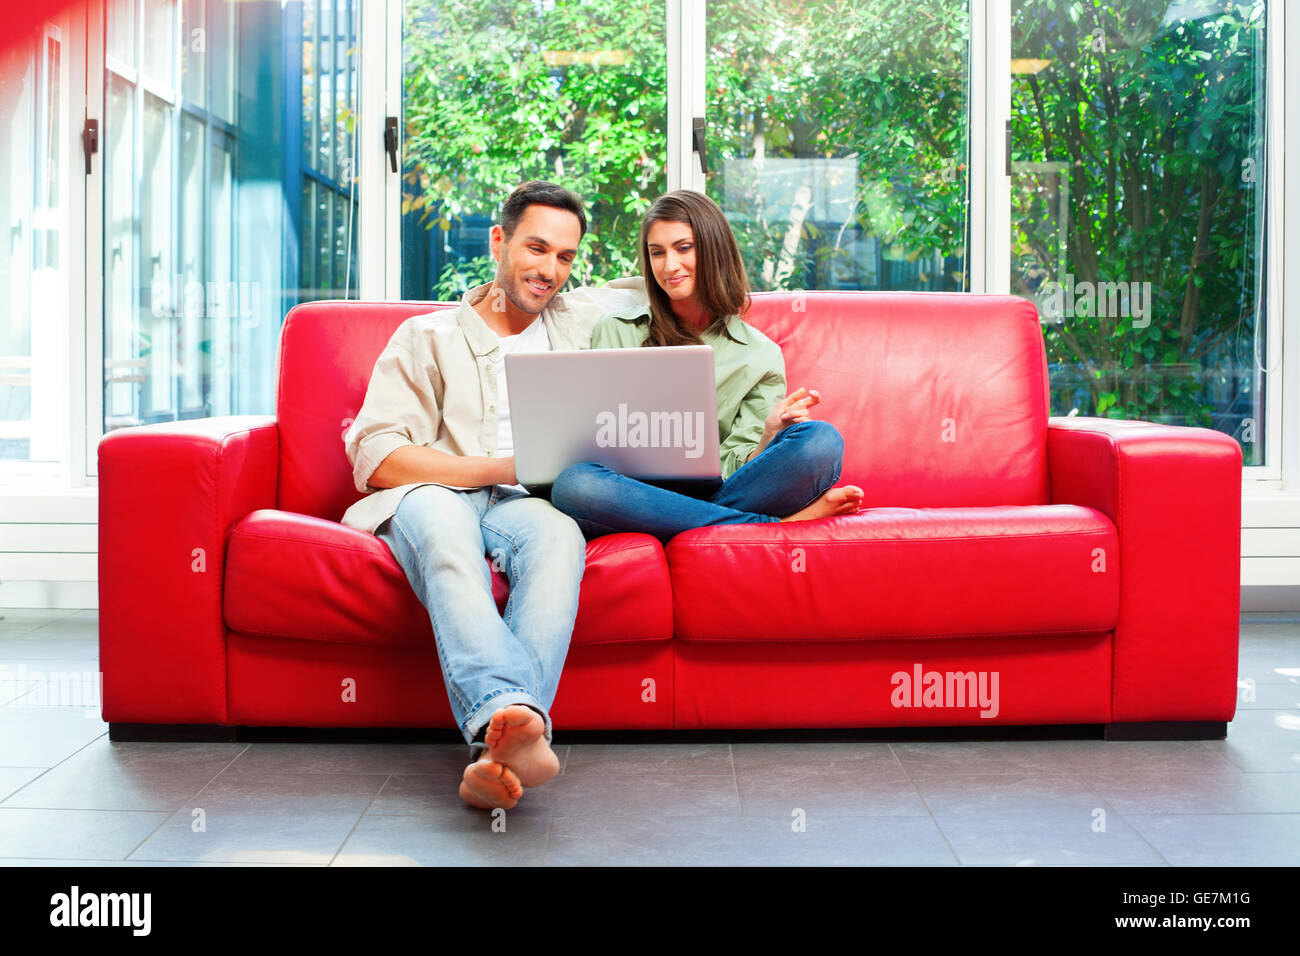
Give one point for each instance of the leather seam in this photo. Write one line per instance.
(977, 537)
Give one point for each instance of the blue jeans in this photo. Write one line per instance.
(797, 467)
(440, 537)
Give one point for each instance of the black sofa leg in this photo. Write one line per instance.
(1169, 730)
(178, 733)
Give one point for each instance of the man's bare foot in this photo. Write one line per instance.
(838, 501)
(516, 737)
(490, 784)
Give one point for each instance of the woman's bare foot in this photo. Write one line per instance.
(837, 501)
(487, 783)
(516, 738)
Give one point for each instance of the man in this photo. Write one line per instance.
(432, 445)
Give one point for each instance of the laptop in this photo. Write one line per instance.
(649, 413)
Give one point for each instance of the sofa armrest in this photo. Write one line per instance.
(1174, 494)
(169, 495)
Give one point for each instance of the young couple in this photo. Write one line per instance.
(431, 447)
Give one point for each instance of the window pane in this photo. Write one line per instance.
(330, 93)
(159, 41)
(837, 140)
(34, 266)
(19, 134)
(192, 353)
(121, 31)
(221, 54)
(227, 306)
(194, 47)
(1137, 207)
(494, 94)
(124, 358)
(158, 300)
(212, 212)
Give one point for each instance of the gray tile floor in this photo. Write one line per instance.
(68, 796)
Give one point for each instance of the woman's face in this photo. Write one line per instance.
(671, 247)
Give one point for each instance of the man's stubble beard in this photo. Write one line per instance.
(510, 288)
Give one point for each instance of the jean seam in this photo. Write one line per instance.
(470, 714)
(508, 617)
(442, 664)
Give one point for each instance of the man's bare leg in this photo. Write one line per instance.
(487, 783)
(516, 739)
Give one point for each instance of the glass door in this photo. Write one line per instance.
(500, 92)
(39, 104)
(1138, 207)
(836, 138)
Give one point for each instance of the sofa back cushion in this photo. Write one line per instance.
(941, 397)
(327, 354)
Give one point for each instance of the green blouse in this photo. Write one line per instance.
(749, 376)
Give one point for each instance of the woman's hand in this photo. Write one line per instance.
(793, 408)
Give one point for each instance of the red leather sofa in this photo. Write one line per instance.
(1092, 565)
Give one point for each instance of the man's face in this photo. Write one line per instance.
(535, 261)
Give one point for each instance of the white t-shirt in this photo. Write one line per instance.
(532, 339)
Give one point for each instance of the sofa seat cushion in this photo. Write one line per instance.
(891, 573)
(290, 575)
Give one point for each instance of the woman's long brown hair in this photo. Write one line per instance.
(720, 281)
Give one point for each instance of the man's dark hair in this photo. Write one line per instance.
(539, 193)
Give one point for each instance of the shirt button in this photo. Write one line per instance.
(489, 454)
(492, 408)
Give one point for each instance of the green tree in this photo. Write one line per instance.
(504, 91)
(1158, 121)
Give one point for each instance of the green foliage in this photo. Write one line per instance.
(1159, 123)
(495, 96)
(882, 84)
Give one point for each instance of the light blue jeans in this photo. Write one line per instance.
(440, 537)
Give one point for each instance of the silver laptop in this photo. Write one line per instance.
(644, 412)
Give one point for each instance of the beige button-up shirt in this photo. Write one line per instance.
(435, 384)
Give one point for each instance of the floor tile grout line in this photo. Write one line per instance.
(1128, 823)
(546, 840)
(735, 779)
(150, 835)
(48, 769)
(920, 796)
(361, 816)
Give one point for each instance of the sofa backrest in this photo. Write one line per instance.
(327, 353)
(941, 397)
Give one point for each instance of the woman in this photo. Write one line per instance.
(777, 463)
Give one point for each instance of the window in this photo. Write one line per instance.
(837, 140)
(34, 266)
(229, 195)
(498, 93)
(1138, 200)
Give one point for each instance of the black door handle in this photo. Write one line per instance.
(90, 140)
(390, 141)
(697, 142)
